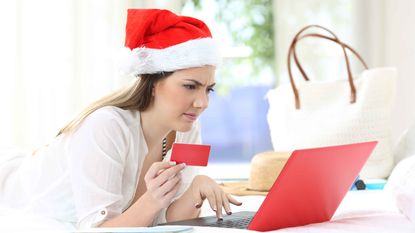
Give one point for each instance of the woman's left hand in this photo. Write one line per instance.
(203, 187)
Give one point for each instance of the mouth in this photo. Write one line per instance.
(190, 116)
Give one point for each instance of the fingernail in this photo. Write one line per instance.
(215, 209)
(220, 218)
(172, 163)
(229, 213)
(183, 164)
(198, 205)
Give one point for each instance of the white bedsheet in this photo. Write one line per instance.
(360, 211)
(19, 221)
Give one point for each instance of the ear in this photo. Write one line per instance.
(153, 89)
(157, 85)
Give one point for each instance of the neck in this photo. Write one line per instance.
(154, 131)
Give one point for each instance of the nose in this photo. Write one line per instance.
(201, 101)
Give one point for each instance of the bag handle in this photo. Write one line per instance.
(334, 39)
(297, 38)
(344, 45)
(350, 78)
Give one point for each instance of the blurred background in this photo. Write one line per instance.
(57, 56)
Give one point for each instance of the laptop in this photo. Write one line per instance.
(308, 190)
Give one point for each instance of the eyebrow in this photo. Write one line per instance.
(199, 83)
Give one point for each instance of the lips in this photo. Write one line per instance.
(190, 116)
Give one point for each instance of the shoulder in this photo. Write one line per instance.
(107, 130)
(109, 121)
(109, 113)
(112, 117)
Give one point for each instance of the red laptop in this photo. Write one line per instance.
(308, 190)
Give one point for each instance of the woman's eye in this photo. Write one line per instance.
(209, 90)
(190, 86)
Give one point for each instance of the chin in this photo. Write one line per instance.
(184, 127)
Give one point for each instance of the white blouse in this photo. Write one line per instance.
(89, 176)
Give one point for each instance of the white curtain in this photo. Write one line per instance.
(385, 34)
(56, 56)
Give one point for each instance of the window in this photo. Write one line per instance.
(235, 122)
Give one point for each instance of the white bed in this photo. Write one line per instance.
(378, 211)
(360, 211)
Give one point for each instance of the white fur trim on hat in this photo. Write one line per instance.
(192, 53)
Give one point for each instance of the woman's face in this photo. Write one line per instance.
(183, 96)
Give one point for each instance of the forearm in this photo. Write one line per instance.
(182, 208)
(140, 214)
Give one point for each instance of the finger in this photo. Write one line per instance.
(158, 181)
(218, 197)
(157, 166)
(198, 198)
(172, 163)
(211, 199)
(160, 171)
(226, 205)
(173, 192)
(169, 172)
(170, 184)
(233, 200)
(166, 175)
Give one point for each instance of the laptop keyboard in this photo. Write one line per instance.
(240, 223)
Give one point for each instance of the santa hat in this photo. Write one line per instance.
(159, 40)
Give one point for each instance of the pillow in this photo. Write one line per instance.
(406, 145)
(401, 184)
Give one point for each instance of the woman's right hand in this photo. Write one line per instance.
(163, 180)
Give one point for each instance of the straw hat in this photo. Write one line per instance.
(265, 168)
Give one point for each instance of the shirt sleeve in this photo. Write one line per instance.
(96, 156)
(194, 137)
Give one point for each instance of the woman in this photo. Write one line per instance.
(109, 166)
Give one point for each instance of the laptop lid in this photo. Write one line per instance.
(311, 186)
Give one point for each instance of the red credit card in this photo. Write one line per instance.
(190, 154)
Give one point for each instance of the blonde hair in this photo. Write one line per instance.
(137, 96)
